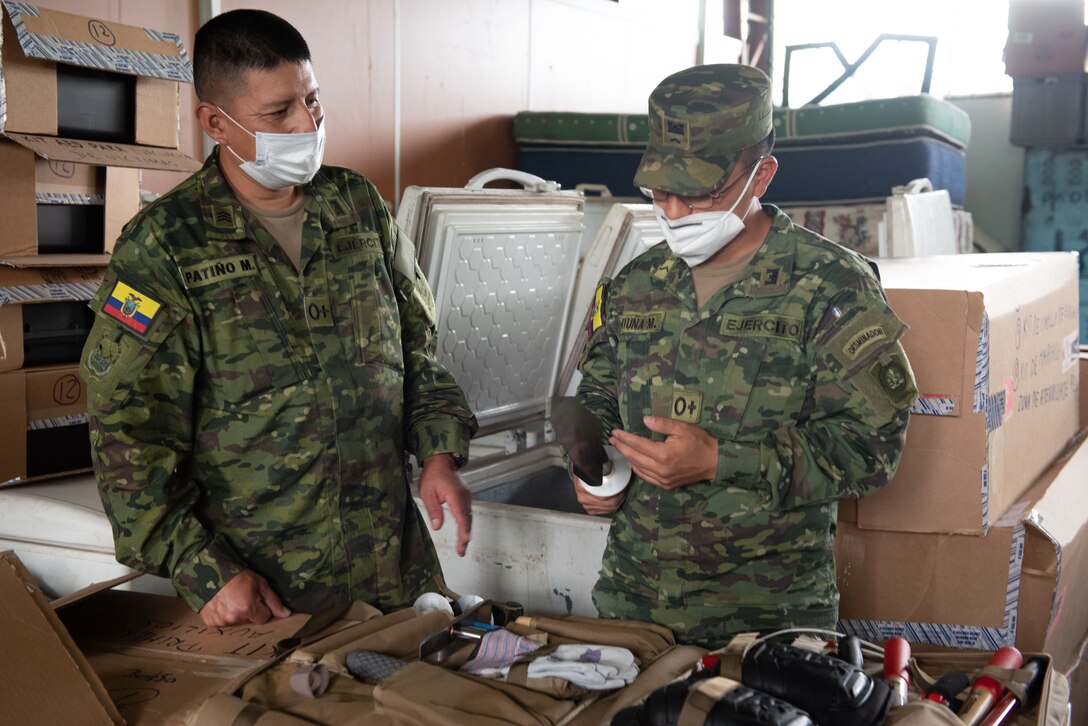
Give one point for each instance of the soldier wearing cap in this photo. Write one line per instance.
(751, 373)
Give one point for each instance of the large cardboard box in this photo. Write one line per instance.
(96, 79)
(44, 426)
(993, 345)
(1046, 37)
(23, 292)
(59, 212)
(1025, 583)
(1083, 388)
(107, 657)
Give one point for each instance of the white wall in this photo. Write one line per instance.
(995, 169)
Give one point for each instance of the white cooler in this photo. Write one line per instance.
(59, 531)
(512, 296)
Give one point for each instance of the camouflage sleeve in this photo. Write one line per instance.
(600, 371)
(140, 363)
(847, 440)
(437, 417)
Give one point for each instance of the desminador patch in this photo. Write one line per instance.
(862, 341)
(133, 309)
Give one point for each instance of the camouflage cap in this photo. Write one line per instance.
(701, 119)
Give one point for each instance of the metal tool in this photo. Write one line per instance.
(317, 623)
(466, 628)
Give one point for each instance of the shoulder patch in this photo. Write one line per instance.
(894, 380)
(133, 309)
(859, 343)
(596, 315)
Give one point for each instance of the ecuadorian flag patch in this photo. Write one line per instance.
(595, 315)
(132, 308)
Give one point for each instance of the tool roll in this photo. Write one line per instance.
(367, 668)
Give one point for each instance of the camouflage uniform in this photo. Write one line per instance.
(244, 414)
(797, 371)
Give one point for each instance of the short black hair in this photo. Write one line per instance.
(230, 44)
(759, 149)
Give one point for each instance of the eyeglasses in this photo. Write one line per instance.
(702, 202)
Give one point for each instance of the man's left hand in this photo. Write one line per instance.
(687, 455)
(439, 484)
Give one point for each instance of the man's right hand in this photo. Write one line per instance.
(246, 598)
(597, 506)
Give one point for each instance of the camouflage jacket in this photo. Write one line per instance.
(796, 369)
(245, 414)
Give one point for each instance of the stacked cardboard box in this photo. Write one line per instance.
(1045, 55)
(980, 539)
(84, 104)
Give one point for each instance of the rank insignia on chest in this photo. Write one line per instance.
(134, 309)
(223, 217)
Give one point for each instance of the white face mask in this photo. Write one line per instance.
(283, 160)
(695, 238)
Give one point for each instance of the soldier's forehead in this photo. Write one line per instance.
(272, 88)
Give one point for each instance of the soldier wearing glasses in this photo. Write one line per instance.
(751, 373)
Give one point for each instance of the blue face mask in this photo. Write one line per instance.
(283, 160)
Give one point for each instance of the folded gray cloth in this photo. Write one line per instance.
(372, 667)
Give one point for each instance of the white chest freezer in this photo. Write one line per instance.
(61, 534)
(511, 300)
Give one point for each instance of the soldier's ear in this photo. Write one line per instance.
(212, 121)
(767, 169)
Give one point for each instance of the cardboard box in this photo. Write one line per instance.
(107, 657)
(92, 78)
(1048, 111)
(1023, 583)
(993, 346)
(1083, 388)
(62, 213)
(1045, 37)
(24, 323)
(44, 426)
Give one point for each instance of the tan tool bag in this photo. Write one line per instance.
(312, 684)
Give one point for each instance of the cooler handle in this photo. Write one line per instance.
(531, 182)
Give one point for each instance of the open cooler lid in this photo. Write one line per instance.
(627, 231)
(65, 513)
(501, 263)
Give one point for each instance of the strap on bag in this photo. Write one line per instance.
(702, 697)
